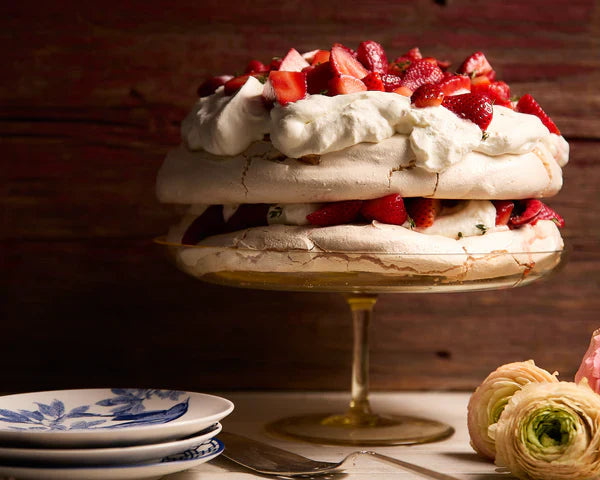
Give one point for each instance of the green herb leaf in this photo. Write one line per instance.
(482, 227)
(275, 212)
(485, 135)
(411, 222)
(460, 235)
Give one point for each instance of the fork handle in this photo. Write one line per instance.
(425, 472)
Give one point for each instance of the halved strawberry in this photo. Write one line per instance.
(209, 86)
(525, 212)
(423, 210)
(405, 92)
(343, 63)
(321, 56)
(284, 87)
(546, 213)
(336, 213)
(471, 106)
(427, 96)
(499, 92)
(293, 62)
(348, 49)
(233, 85)
(480, 82)
(504, 209)
(475, 65)
(391, 82)
(453, 83)
(373, 82)
(256, 66)
(317, 77)
(372, 55)
(420, 73)
(342, 84)
(389, 209)
(527, 104)
(412, 55)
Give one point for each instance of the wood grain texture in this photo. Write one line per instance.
(91, 99)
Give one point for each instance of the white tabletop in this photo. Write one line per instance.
(452, 456)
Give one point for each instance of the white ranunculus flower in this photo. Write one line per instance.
(490, 398)
(550, 431)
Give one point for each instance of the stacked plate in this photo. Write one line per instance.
(108, 433)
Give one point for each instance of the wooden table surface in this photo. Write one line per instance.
(91, 99)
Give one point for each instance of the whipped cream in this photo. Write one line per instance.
(227, 124)
(318, 124)
(466, 219)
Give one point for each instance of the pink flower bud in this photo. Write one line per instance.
(590, 365)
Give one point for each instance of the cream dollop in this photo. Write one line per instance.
(227, 125)
(473, 217)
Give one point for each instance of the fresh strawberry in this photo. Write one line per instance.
(321, 56)
(284, 87)
(373, 82)
(342, 84)
(308, 56)
(343, 63)
(336, 213)
(499, 92)
(546, 213)
(293, 62)
(255, 66)
(405, 92)
(427, 96)
(525, 212)
(475, 65)
(453, 83)
(444, 64)
(209, 86)
(233, 85)
(372, 55)
(420, 73)
(527, 104)
(491, 75)
(348, 49)
(275, 64)
(412, 55)
(504, 208)
(423, 211)
(398, 68)
(389, 209)
(480, 82)
(317, 77)
(471, 106)
(391, 82)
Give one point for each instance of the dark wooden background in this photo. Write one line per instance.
(91, 97)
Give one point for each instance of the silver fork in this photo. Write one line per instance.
(269, 460)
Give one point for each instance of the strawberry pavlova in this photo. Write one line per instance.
(338, 152)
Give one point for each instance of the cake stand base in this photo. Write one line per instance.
(368, 430)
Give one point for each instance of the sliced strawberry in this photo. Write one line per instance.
(209, 86)
(348, 49)
(372, 55)
(427, 96)
(317, 77)
(525, 212)
(491, 75)
(405, 92)
(389, 209)
(336, 213)
(275, 63)
(321, 56)
(475, 65)
(343, 63)
(342, 84)
(527, 104)
(293, 62)
(412, 55)
(453, 83)
(423, 211)
(480, 82)
(420, 73)
(471, 106)
(284, 87)
(235, 84)
(444, 64)
(308, 56)
(499, 92)
(398, 68)
(255, 66)
(546, 213)
(373, 82)
(504, 209)
(391, 82)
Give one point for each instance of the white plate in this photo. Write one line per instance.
(172, 464)
(105, 456)
(105, 417)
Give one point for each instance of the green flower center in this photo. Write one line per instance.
(551, 427)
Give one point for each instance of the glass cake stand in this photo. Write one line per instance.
(360, 277)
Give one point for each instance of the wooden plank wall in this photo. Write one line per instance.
(91, 98)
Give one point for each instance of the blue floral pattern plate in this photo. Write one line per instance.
(146, 471)
(106, 417)
(105, 456)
